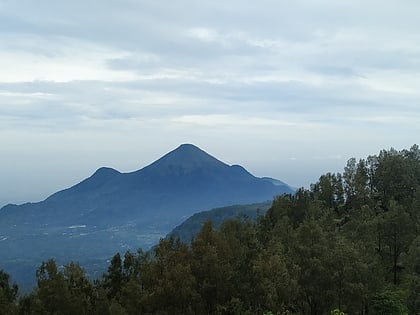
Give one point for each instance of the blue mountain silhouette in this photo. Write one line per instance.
(112, 211)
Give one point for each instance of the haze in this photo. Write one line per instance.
(287, 89)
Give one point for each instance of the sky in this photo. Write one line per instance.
(287, 89)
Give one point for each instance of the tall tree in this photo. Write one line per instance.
(397, 232)
(329, 189)
(173, 285)
(113, 278)
(239, 237)
(211, 269)
(356, 184)
(311, 254)
(8, 295)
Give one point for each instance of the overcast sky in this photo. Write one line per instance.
(288, 89)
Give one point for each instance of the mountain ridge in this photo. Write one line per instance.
(175, 161)
(120, 211)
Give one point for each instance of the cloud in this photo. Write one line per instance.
(58, 59)
(232, 120)
(295, 79)
(204, 34)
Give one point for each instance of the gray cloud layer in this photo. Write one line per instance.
(288, 89)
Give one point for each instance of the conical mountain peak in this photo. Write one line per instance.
(188, 157)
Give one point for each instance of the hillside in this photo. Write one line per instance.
(189, 229)
(112, 211)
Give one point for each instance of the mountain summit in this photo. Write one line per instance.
(185, 159)
(189, 157)
(112, 211)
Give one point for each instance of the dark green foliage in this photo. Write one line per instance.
(349, 245)
(65, 291)
(389, 302)
(8, 294)
(114, 277)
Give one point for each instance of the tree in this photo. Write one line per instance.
(349, 276)
(356, 184)
(329, 189)
(138, 280)
(389, 302)
(240, 249)
(275, 286)
(63, 292)
(8, 294)
(30, 304)
(113, 279)
(311, 254)
(79, 287)
(412, 281)
(293, 207)
(396, 176)
(52, 291)
(172, 284)
(211, 269)
(397, 232)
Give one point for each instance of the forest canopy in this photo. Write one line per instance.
(349, 244)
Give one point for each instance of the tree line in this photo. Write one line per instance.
(350, 244)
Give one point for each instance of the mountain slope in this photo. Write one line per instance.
(112, 211)
(188, 229)
(178, 184)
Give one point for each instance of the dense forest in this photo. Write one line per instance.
(348, 245)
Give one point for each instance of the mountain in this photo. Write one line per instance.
(112, 211)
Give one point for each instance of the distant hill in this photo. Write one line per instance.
(188, 229)
(112, 211)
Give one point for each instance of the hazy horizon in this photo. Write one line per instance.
(38, 195)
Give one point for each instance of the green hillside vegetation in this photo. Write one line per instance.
(348, 245)
(187, 230)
